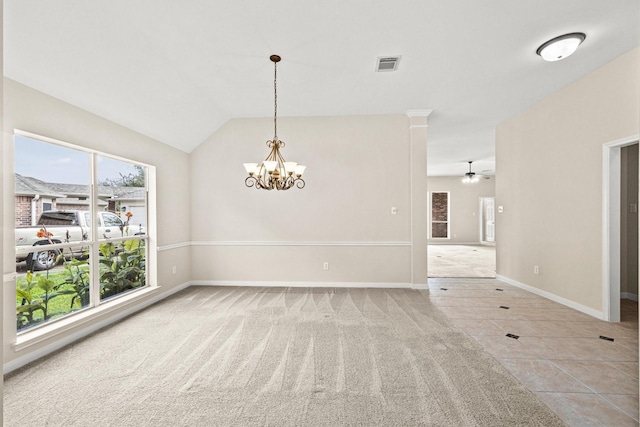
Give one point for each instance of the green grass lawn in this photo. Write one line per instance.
(120, 272)
(58, 305)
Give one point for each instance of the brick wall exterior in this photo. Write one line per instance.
(23, 211)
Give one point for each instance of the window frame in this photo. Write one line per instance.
(96, 306)
(432, 221)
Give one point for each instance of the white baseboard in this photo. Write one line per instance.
(628, 295)
(438, 243)
(308, 284)
(553, 297)
(59, 343)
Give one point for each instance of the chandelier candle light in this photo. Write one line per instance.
(274, 172)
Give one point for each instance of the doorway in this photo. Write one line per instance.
(487, 220)
(628, 231)
(620, 218)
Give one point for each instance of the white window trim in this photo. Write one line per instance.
(448, 221)
(27, 338)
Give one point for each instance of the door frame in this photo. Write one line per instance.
(483, 234)
(611, 184)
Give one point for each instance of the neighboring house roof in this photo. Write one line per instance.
(28, 186)
(76, 190)
(129, 193)
(72, 193)
(80, 201)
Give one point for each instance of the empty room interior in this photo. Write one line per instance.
(279, 213)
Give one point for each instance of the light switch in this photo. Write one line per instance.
(500, 209)
(394, 210)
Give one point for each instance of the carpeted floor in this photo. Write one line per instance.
(462, 261)
(275, 356)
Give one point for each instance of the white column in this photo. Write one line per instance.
(419, 197)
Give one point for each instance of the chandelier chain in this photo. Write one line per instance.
(275, 102)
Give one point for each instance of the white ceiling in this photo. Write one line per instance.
(178, 70)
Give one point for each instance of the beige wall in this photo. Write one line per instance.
(629, 221)
(464, 206)
(32, 111)
(358, 168)
(549, 181)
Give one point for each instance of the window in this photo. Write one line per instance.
(110, 220)
(79, 263)
(440, 215)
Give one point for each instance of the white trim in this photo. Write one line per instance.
(25, 250)
(430, 216)
(419, 113)
(439, 241)
(411, 225)
(44, 333)
(174, 246)
(303, 284)
(628, 295)
(276, 243)
(553, 297)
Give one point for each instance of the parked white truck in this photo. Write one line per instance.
(66, 226)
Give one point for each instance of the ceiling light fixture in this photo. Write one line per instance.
(470, 177)
(274, 172)
(560, 47)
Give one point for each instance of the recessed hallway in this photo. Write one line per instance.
(462, 261)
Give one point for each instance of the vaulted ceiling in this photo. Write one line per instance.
(178, 70)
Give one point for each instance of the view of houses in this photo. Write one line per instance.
(33, 196)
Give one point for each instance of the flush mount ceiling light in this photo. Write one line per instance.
(470, 177)
(560, 47)
(274, 172)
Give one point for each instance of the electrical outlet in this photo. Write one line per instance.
(326, 265)
(536, 269)
(174, 269)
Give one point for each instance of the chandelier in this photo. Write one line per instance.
(274, 172)
(470, 177)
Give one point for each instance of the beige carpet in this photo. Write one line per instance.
(280, 357)
(462, 261)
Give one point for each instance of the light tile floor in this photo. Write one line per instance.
(558, 355)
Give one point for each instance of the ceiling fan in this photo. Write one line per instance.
(470, 177)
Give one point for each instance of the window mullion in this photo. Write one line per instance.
(95, 244)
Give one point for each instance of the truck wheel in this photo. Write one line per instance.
(43, 260)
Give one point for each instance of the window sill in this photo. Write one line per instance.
(46, 332)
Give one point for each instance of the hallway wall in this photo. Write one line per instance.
(464, 206)
(549, 182)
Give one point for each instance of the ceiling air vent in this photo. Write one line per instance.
(387, 63)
